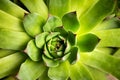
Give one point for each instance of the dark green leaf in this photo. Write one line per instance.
(87, 42)
(70, 22)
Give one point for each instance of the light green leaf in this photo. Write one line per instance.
(96, 14)
(109, 38)
(79, 72)
(50, 62)
(52, 23)
(13, 40)
(60, 72)
(10, 64)
(40, 39)
(87, 42)
(100, 60)
(31, 70)
(8, 21)
(70, 22)
(117, 53)
(33, 24)
(11, 8)
(59, 7)
(52, 35)
(5, 52)
(33, 52)
(37, 6)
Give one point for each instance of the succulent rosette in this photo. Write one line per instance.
(59, 39)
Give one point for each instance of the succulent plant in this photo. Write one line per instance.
(59, 39)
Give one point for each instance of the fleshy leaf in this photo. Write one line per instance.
(44, 76)
(60, 72)
(70, 22)
(31, 70)
(8, 21)
(52, 23)
(40, 39)
(13, 40)
(117, 53)
(10, 64)
(73, 55)
(5, 52)
(79, 72)
(112, 23)
(33, 52)
(50, 62)
(110, 38)
(59, 7)
(11, 8)
(100, 60)
(37, 6)
(52, 35)
(87, 42)
(33, 23)
(96, 14)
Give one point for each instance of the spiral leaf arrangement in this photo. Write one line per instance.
(59, 39)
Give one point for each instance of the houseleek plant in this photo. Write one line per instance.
(59, 39)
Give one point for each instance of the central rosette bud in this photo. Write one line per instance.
(51, 43)
(56, 47)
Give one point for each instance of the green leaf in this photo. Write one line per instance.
(40, 39)
(50, 62)
(100, 60)
(52, 23)
(59, 7)
(87, 42)
(96, 14)
(8, 21)
(37, 6)
(52, 35)
(33, 52)
(11, 8)
(112, 23)
(44, 76)
(117, 53)
(110, 38)
(13, 40)
(79, 72)
(70, 22)
(10, 64)
(33, 24)
(60, 72)
(73, 55)
(5, 52)
(31, 70)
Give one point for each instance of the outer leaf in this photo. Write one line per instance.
(31, 70)
(37, 6)
(117, 53)
(91, 19)
(13, 40)
(70, 22)
(59, 73)
(59, 7)
(4, 52)
(33, 24)
(52, 23)
(10, 22)
(102, 61)
(11, 63)
(33, 52)
(11, 8)
(87, 42)
(79, 72)
(110, 38)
